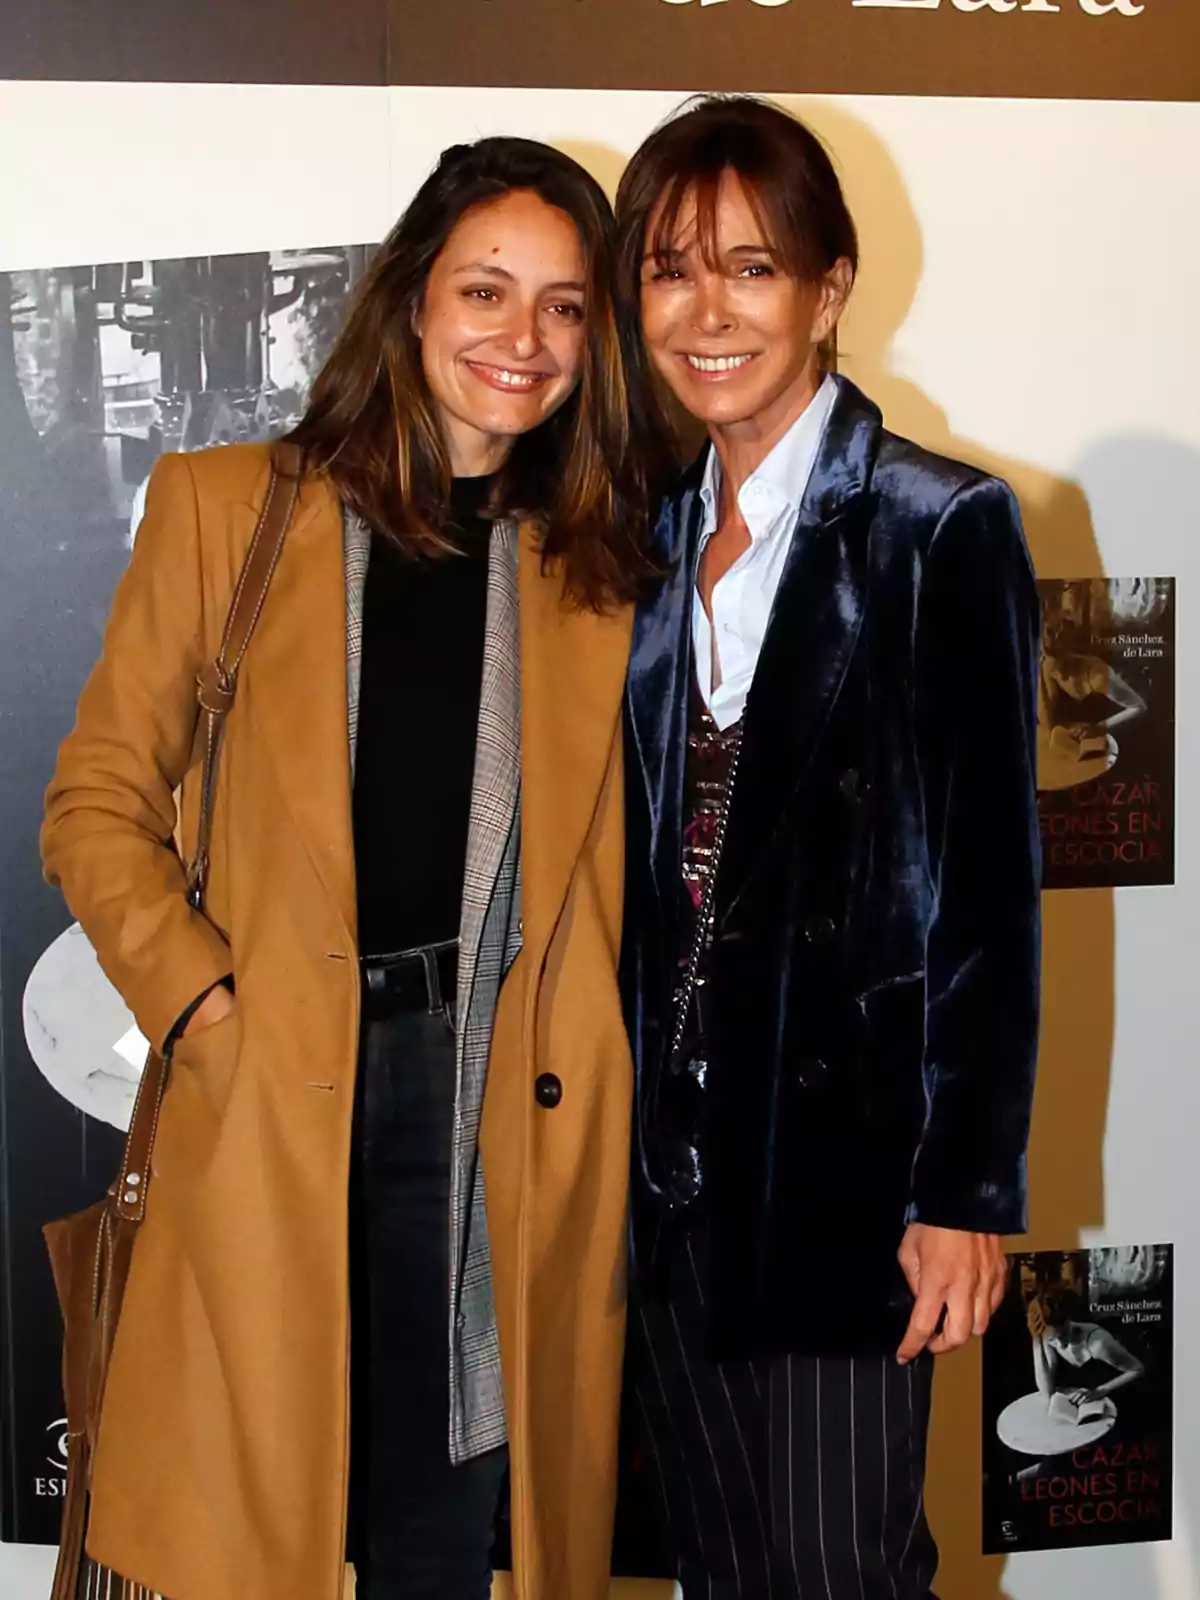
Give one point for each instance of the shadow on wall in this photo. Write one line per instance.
(604, 164)
(1065, 1160)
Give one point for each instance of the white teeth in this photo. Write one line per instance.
(717, 363)
(515, 380)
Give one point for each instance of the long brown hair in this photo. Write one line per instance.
(588, 475)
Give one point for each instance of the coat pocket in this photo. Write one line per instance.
(893, 1045)
(203, 1068)
(210, 1056)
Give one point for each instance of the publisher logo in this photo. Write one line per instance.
(54, 1485)
(57, 1444)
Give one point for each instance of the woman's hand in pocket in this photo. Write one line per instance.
(217, 1004)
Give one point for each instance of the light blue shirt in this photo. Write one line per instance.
(769, 502)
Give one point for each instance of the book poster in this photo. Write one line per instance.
(1106, 732)
(1077, 1401)
(101, 369)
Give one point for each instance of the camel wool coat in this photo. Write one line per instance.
(221, 1468)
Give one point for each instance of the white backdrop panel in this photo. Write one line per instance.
(1027, 300)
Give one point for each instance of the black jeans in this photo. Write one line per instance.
(419, 1528)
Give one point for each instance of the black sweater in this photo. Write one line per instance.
(422, 666)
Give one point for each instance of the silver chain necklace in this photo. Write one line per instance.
(706, 916)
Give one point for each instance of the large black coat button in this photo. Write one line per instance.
(819, 930)
(547, 1091)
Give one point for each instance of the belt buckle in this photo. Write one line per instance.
(433, 980)
(377, 970)
(440, 1004)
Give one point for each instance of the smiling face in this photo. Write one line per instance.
(501, 326)
(736, 336)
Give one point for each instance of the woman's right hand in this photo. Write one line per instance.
(217, 1004)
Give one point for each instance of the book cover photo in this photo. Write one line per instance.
(1106, 732)
(1077, 1401)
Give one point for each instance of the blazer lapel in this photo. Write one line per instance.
(295, 689)
(660, 665)
(815, 622)
(497, 776)
(573, 664)
(356, 539)
(490, 891)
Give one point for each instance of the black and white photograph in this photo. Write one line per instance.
(1077, 1401)
(1106, 732)
(102, 368)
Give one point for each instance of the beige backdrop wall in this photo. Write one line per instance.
(1028, 302)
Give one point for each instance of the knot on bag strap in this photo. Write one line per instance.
(215, 689)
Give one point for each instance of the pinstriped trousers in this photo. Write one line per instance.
(784, 1478)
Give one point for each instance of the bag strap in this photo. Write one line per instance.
(216, 687)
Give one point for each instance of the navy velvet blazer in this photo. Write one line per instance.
(874, 998)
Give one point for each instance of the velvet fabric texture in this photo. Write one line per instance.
(874, 988)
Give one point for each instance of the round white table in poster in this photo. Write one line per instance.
(1030, 1427)
(80, 1033)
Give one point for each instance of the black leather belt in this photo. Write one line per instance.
(422, 979)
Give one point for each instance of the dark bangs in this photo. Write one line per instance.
(786, 245)
(785, 170)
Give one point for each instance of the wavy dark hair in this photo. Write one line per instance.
(589, 475)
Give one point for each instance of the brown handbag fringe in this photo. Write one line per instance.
(90, 1252)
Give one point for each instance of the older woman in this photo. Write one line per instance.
(833, 848)
(416, 861)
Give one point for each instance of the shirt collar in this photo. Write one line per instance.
(778, 483)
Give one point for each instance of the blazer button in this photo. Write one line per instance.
(851, 786)
(820, 930)
(547, 1091)
(811, 1073)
